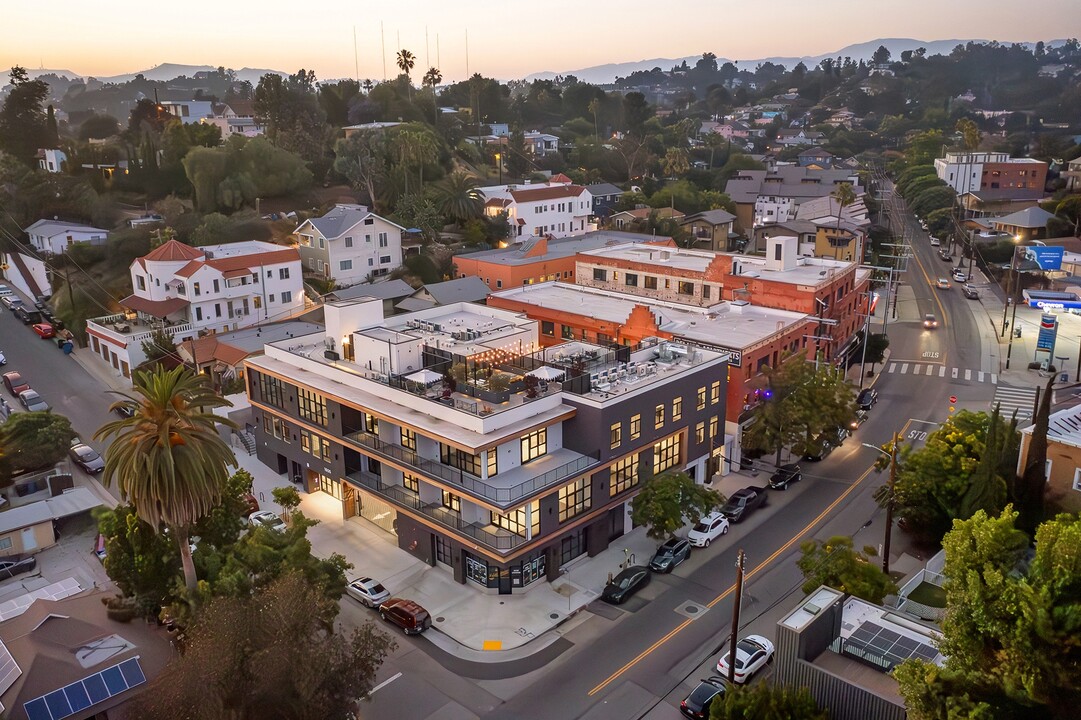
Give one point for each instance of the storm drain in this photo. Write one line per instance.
(691, 610)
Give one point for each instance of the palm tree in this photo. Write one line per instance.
(459, 198)
(167, 458)
(367, 85)
(433, 77)
(845, 196)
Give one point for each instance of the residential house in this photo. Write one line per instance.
(1073, 175)
(731, 128)
(1024, 225)
(793, 137)
(997, 172)
(56, 236)
(773, 196)
(541, 259)
(351, 130)
(841, 233)
(389, 291)
(237, 117)
(222, 355)
(66, 658)
(188, 111)
(558, 207)
(711, 229)
(605, 198)
(501, 486)
(31, 528)
(52, 160)
(349, 244)
(815, 158)
(184, 290)
(633, 220)
(539, 144)
(1063, 467)
(460, 290)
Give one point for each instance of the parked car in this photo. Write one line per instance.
(406, 614)
(87, 458)
(14, 382)
(5, 291)
(44, 330)
(251, 505)
(3, 360)
(26, 315)
(40, 302)
(267, 519)
(367, 591)
(970, 292)
(960, 276)
(625, 584)
(930, 322)
(125, 412)
(935, 242)
(708, 529)
(945, 256)
(786, 475)
(752, 654)
(743, 502)
(867, 398)
(671, 553)
(697, 704)
(942, 284)
(11, 301)
(32, 401)
(859, 419)
(13, 565)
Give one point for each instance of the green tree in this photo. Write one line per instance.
(274, 654)
(288, 108)
(167, 457)
(669, 501)
(405, 61)
(144, 564)
(417, 211)
(22, 119)
(766, 701)
(363, 158)
(881, 56)
(970, 134)
(837, 564)
(675, 162)
(160, 344)
(287, 497)
(32, 441)
(515, 157)
(99, 127)
(459, 199)
(845, 196)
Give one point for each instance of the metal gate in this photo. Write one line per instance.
(375, 510)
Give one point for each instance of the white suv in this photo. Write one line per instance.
(708, 529)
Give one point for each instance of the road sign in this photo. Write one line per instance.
(953, 399)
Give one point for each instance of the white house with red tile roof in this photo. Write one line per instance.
(185, 290)
(558, 208)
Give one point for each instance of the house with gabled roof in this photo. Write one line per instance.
(349, 244)
(56, 236)
(558, 208)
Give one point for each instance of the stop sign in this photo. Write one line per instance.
(953, 399)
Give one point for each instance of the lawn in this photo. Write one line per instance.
(927, 594)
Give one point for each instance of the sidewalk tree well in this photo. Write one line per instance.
(288, 498)
(837, 564)
(274, 654)
(669, 501)
(168, 459)
(767, 701)
(1010, 633)
(32, 441)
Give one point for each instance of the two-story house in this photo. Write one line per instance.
(56, 236)
(189, 111)
(558, 208)
(477, 451)
(183, 290)
(350, 244)
(605, 198)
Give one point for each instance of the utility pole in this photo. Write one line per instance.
(1011, 281)
(867, 339)
(735, 618)
(1013, 315)
(889, 505)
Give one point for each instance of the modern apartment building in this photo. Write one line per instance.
(349, 244)
(764, 197)
(505, 474)
(975, 172)
(184, 290)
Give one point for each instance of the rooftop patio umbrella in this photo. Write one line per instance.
(547, 372)
(424, 377)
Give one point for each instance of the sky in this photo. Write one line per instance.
(507, 40)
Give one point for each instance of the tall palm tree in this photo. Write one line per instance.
(167, 458)
(845, 196)
(459, 198)
(405, 62)
(433, 77)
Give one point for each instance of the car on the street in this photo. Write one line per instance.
(752, 654)
(367, 592)
(5, 291)
(40, 302)
(923, 225)
(674, 551)
(697, 704)
(11, 301)
(32, 401)
(27, 316)
(942, 284)
(930, 322)
(785, 476)
(3, 360)
(960, 276)
(267, 519)
(817, 450)
(406, 614)
(935, 242)
(945, 255)
(867, 398)
(743, 502)
(625, 584)
(859, 419)
(251, 504)
(14, 382)
(44, 330)
(708, 529)
(13, 565)
(123, 411)
(970, 292)
(87, 458)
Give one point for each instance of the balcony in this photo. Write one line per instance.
(134, 328)
(503, 496)
(491, 536)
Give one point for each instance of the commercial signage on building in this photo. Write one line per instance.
(1047, 257)
(1055, 304)
(1045, 342)
(735, 357)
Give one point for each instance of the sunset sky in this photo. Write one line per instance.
(506, 40)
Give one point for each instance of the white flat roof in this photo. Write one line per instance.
(728, 324)
(683, 259)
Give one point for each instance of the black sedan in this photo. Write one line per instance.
(87, 458)
(785, 476)
(701, 698)
(627, 583)
(16, 565)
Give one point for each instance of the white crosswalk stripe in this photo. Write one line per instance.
(929, 369)
(1010, 399)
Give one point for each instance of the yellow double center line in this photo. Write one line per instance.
(757, 568)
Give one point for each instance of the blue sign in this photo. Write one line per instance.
(1047, 257)
(1045, 342)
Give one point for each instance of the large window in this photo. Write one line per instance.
(371, 424)
(442, 550)
(685, 288)
(636, 426)
(700, 433)
(315, 444)
(713, 427)
(466, 462)
(630, 279)
(312, 406)
(715, 392)
(409, 439)
(452, 502)
(677, 409)
(271, 390)
(650, 282)
(411, 483)
(617, 434)
(624, 474)
(548, 328)
(701, 398)
(600, 275)
(534, 445)
(666, 454)
(658, 417)
(493, 462)
(516, 520)
(575, 499)
(571, 547)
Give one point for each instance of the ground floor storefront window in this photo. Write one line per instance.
(518, 574)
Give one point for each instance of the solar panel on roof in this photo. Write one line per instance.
(85, 693)
(9, 669)
(871, 639)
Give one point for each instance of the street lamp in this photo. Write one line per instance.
(892, 455)
(499, 164)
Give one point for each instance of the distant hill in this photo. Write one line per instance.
(603, 74)
(162, 73)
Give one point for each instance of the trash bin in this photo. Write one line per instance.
(68, 347)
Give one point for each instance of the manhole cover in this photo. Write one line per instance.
(553, 615)
(691, 610)
(440, 619)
